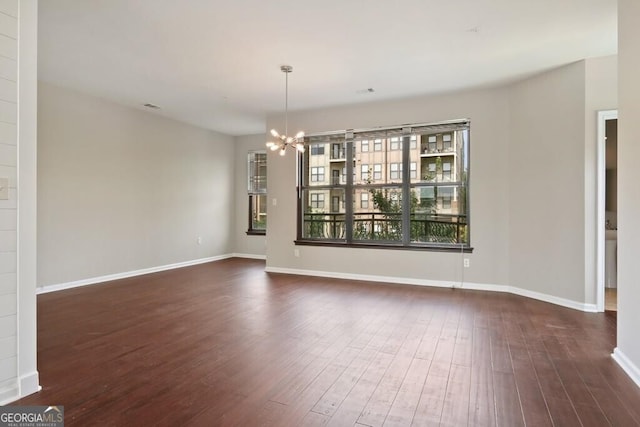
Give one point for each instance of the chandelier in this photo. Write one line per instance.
(283, 141)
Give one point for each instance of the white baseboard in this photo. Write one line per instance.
(589, 308)
(29, 384)
(9, 393)
(13, 390)
(349, 276)
(627, 365)
(117, 276)
(363, 277)
(249, 256)
(441, 284)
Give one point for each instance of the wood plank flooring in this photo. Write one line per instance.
(225, 344)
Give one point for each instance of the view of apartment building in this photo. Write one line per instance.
(434, 158)
(435, 180)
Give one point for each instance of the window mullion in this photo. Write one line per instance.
(348, 197)
(406, 188)
(300, 167)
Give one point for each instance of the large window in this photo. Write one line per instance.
(410, 190)
(257, 189)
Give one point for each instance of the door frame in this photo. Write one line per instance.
(603, 116)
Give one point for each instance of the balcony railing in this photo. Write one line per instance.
(380, 226)
(338, 180)
(443, 150)
(338, 154)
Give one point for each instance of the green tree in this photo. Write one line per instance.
(422, 225)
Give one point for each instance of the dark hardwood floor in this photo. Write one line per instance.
(227, 344)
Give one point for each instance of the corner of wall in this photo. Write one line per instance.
(546, 249)
(28, 379)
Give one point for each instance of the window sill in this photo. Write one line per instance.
(256, 232)
(425, 247)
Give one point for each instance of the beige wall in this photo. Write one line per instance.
(487, 110)
(546, 176)
(243, 244)
(122, 189)
(628, 189)
(532, 182)
(553, 177)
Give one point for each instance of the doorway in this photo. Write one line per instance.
(607, 217)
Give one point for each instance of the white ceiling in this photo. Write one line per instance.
(216, 64)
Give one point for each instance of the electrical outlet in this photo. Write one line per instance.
(296, 252)
(274, 202)
(199, 240)
(466, 263)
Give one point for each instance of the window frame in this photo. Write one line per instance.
(365, 174)
(377, 172)
(413, 142)
(447, 143)
(395, 171)
(364, 201)
(317, 175)
(446, 174)
(460, 218)
(254, 192)
(319, 201)
(432, 145)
